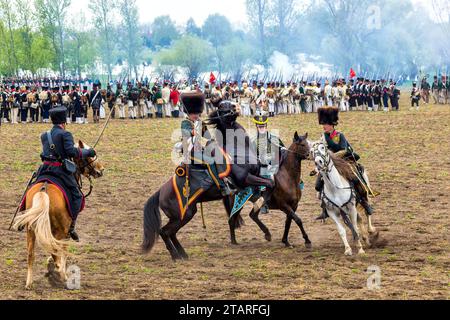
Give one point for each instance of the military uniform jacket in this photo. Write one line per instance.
(64, 149)
(192, 136)
(264, 144)
(95, 99)
(337, 143)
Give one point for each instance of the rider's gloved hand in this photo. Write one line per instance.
(92, 153)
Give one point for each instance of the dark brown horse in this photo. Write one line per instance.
(285, 196)
(167, 198)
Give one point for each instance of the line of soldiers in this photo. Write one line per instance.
(305, 97)
(439, 89)
(31, 102)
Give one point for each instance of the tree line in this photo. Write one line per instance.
(389, 37)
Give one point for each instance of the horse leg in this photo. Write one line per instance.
(179, 247)
(254, 215)
(63, 266)
(334, 215)
(31, 239)
(287, 228)
(372, 229)
(364, 233)
(299, 222)
(231, 221)
(165, 233)
(354, 217)
(176, 227)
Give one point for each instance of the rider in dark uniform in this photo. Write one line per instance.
(338, 144)
(54, 156)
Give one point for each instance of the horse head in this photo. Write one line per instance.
(225, 116)
(301, 146)
(320, 155)
(89, 167)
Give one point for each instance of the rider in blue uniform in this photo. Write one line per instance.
(55, 154)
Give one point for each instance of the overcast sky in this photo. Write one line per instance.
(181, 10)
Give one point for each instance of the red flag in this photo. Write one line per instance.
(352, 73)
(212, 78)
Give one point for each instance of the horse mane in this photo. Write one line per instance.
(344, 168)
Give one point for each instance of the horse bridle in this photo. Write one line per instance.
(324, 156)
(328, 164)
(91, 171)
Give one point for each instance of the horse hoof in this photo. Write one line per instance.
(348, 253)
(288, 245)
(234, 243)
(361, 252)
(268, 237)
(308, 245)
(29, 287)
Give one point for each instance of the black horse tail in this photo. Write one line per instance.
(237, 221)
(152, 223)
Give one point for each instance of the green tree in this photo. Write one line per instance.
(192, 28)
(80, 51)
(235, 56)
(259, 13)
(102, 11)
(190, 52)
(217, 30)
(52, 18)
(131, 40)
(164, 32)
(9, 17)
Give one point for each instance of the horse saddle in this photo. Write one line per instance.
(189, 187)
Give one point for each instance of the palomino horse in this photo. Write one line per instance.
(48, 220)
(339, 197)
(286, 194)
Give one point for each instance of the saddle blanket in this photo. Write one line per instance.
(60, 185)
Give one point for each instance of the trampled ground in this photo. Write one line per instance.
(407, 155)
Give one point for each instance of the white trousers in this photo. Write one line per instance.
(14, 115)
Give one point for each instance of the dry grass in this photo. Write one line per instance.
(406, 153)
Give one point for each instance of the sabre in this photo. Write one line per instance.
(103, 130)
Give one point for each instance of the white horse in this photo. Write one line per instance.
(339, 198)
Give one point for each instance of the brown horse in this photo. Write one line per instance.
(47, 220)
(285, 196)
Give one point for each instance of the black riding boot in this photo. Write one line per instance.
(365, 204)
(72, 233)
(224, 188)
(319, 187)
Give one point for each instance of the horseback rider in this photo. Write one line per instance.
(338, 144)
(264, 143)
(193, 131)
(58, 150)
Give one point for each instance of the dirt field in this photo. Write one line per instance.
(406, 154)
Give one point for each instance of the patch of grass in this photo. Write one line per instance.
(72, 249)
